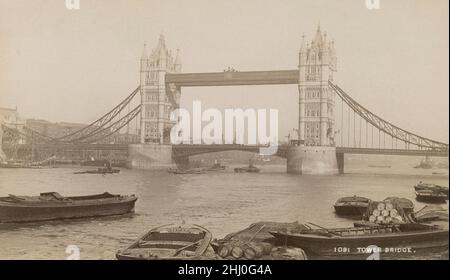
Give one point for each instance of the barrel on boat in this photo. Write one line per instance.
(256, 250)
(237, 252)
(225, 250)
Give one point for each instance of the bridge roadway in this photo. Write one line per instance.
(188, 150)
(277, 77)
(78, 147)
(183, 150)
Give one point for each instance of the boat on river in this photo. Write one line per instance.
(101, 170)
(431, 196)
(18, 164)
(351, 205)
(169, 242)
(217, 167)
(324, 242)
(432, 187)
(53, 206)
(248, 169)
(186, 171)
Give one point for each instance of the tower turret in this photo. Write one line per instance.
(157, 101)
(316, 99)
(177, 63)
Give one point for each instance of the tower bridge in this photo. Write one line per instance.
(330, 123)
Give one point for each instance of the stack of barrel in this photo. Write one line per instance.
(385, 213)
(244, 250)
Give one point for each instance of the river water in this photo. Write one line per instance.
(223, 202)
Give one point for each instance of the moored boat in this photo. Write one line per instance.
(101, 170)
(169, 242)
(217, 167)
(389, 238)
(18, 164)
(249, 169)
(53, 206)
(351, 206)
(431, 196)
(187, 171)
(433, 187)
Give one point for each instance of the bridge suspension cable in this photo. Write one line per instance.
(112, 128)
(383, 127)
(99, 124)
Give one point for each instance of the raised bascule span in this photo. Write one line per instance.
(328, 127)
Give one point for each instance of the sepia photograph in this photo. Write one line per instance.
(218, 131)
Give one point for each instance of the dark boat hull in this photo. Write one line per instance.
(347, 246)
(431, 199)
(437, 189)
(346, 210)
(33, 213)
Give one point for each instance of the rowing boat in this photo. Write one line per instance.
(169, 242)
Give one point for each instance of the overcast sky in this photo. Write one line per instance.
(74, 66)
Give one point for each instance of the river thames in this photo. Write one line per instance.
(223, 202)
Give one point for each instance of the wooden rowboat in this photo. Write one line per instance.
(169, 242)
(53, 206)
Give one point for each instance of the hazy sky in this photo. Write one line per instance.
(63, 65)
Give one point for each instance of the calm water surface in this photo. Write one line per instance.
(222, 201)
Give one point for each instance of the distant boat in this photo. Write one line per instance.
(351, 205)
(425, 164)
(169, 242)
(102, 170)
(18, 164)
(248, 169)
(217, 167)
(186, 171)
(53, 206)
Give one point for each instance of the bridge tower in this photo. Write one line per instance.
(157, 101)
(316, 153)
(317, 62)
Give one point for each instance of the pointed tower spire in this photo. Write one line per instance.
(302, 46)
(144, 55)
(177, 63)
(177, 58)
(318, 39)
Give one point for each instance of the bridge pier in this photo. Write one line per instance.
(312, 160)
(340, 162)
(182, 162)
(2, 154)
(150, 156)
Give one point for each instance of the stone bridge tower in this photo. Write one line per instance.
(157, 101)
(317, 62)
(316, 153)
